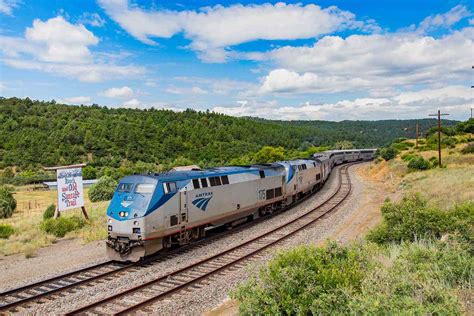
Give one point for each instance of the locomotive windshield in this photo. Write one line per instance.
(145, 188)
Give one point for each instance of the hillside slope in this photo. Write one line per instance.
(35, 134)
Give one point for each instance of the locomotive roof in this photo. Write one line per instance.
(190, 174)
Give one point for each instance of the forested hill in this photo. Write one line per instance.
(35, 134)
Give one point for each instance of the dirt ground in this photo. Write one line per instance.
(49, 261)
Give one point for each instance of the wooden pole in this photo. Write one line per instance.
(416, 141)
(439, 135)
(83, 208)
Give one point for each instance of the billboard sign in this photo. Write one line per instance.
(70, 189)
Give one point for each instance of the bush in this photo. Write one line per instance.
(60, 226)
(49, 212)
(469, 149)
(103, 190)
(303, 280)
(418, 163)
(420, 278)
(6, 230)
(7, 202)
(387, 153)
(408, 157)
(413, 218)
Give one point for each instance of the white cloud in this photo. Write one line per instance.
(212, 30)
(76, 100)
(92, 19)
(361, 62)
(184, 91)
(61, 48)
(444, 20)
(61, 41)
(7, 6)
(2, 87)
(132, 104)
(455, 99)
(123, 92)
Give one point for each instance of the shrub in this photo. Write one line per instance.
(418, 163)
(387, 153)
(6, 230)
(49, 212)
(420, 278)
(7, 202)
(60, 226)
(413, 218)
(103, 190)
(469, 149)
(408, 157)
(303, 280)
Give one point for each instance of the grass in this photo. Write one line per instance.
(444, 187)
(28, 236)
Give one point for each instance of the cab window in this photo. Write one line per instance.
(145, 188)
(169, 187)
(125, 187)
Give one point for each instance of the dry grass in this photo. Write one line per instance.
(28, 236)
(443, 187)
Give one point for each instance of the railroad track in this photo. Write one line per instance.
(49, 289)
(138, 297)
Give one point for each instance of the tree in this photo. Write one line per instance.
(343, 145)
(7, 202)
(269, 154)
(103, 190)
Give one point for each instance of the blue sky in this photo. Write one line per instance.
(331, 60)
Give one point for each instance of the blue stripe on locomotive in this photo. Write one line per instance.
(139, 205)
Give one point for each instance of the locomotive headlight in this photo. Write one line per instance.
(110, 221)
(135, 223)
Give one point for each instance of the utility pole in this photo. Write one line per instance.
(439, 134)
(416, 141)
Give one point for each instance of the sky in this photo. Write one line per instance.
(305, 60)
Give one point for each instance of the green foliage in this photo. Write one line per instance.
(469, 149)
(387, 153)
(103, 190)
(343, 145)
(269, 154)
(400, 146)
(8, 173)
(408, 157)
(49, 212)
(7, 202)
(420, 278)
(419, 163)
(6, 230)
(35, 134)
(89, 172)
(413, 218)
(303, 280)
(60, 226)
(466, 127)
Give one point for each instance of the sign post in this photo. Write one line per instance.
(70, 189)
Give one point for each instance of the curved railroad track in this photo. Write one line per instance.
(140, 296)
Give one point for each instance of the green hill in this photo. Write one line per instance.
(36, 133)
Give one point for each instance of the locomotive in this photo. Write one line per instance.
(155, 211)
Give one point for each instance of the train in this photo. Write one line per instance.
(155, 211)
